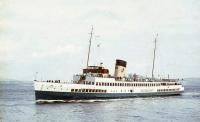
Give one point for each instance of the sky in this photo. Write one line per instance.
(51, 37)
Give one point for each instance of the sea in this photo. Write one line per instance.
(17, 104)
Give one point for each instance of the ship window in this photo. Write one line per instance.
(83, 90)
(122, 84)
(79, 90)
(115, 84)
(110, 84)
(92, 83)
(76, 90)
(99, 84)
(93, 90)
(90, 90)
(86, 90)
(72, 90)
(131, 91)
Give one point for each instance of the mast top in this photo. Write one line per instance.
(154, 56)
(90, 41)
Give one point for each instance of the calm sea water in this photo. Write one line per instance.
(17, 103)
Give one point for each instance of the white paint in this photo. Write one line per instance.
(66, 87)
(120, 71)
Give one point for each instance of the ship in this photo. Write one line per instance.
(96, 82)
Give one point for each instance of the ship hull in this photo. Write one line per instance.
(49, 95)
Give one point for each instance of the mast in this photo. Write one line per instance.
(154, 56)
(90, 41)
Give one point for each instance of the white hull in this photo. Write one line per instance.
(83, 91)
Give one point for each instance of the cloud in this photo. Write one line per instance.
(47, 29)
(58, 50)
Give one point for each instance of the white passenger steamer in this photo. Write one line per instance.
(95, 82)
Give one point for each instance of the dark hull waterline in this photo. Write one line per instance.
(49, 95)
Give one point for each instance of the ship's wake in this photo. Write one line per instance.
(70, 101)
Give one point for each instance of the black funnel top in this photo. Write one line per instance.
(121, 63)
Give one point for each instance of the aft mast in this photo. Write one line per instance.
(154, 56)
(90, 41)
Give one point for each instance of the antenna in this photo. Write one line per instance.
(154, 56)
(88, 57)
(35, 79)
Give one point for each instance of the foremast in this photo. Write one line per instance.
(154, 56)
(90, 42)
